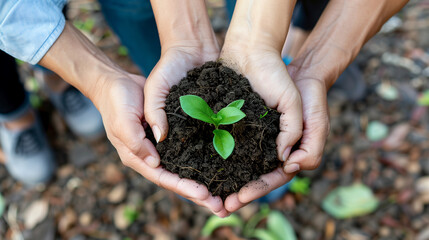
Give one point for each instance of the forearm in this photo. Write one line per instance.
(184, 24)
(260, 24)
(345, 26)
(79, 62)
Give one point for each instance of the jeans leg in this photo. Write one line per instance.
(134, 23)
(230, 5)
(12, 93)
(307, 13)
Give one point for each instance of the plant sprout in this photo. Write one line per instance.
(197, 108)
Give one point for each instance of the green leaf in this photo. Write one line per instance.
(32, 84)
(376, 131)
(223, 143)
(78, 24)
(237, 104)
(300, 185)
(19, 62)
(214, 222)
(264, 234)
(122, 51)
(424, 99)
(35, 101)
(352, 201)
(130, 213)
(387, 91)
(250, 226)
(230, 115)
(88, 25)
(216, 119)
(2, 205)
(265, 114)
(196, 108)
(280, 226)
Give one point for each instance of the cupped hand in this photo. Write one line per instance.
(313, 90)
(172, 67)
(268, 77)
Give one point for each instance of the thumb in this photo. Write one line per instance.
(156, 91)
(291, 125)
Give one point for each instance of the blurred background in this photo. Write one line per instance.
(373, 182)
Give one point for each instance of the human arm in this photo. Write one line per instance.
(117, 94)
(344, 27)
(187, 41)
(252, 47)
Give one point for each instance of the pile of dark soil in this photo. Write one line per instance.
(188, 149)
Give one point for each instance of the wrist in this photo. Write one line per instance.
(324, 63)
(184, 24)
(79, 62)
(260, 24)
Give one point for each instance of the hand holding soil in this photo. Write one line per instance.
(269, 78)
(168, 72)
(315, 116)
(255, 142)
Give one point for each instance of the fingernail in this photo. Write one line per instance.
(286, 154)
(151, 161)
(291, 168)
(156, 133)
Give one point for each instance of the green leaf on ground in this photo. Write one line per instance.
(123, 51)
(223, 143)
(86, 25)
(19, 62)
(264, 234)
(387, 91)
(280, 226)
(424, 99)
(35, 101)
(255, 219)
(197, 108)
(351, 201)
(32, 84)
(300, 185)
(376, 131)
(130, 213)
(214, 222)
(2, 205)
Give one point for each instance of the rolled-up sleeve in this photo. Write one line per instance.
(28, 28)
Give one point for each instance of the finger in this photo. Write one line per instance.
(256, 189)
(168, 72)
(232, 203)
(290, 123)
(316, 126)
(187, 188)
(156, 91)
(182, 186)
(190, 189)
(264, 185)
(133, 137)
(214, 204)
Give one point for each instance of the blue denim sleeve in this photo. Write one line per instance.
(28, 28)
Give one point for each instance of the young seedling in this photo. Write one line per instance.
(197, 108)
(263, 115)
